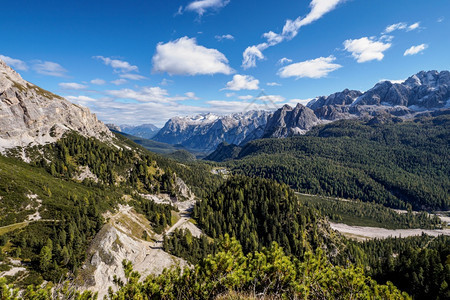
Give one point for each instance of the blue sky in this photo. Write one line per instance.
(143, 61)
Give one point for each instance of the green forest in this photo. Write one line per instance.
(394, 164)
(260, 236)
(358, 213)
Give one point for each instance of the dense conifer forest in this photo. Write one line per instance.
(394, 164)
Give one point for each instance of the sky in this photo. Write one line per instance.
(145, 61)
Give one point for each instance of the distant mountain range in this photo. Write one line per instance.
(204, 132)
(421, 93)
(145, 131)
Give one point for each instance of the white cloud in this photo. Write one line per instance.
(49, 68)
(229, 95)
(72, 86)
(246, 97)
(270, 98)
(284, 60)
(118, 65)
(290, 29)
(132, 76)
(202, 6)
(415, 49)
(366, 49)
(396, 26)
(273, 84)
(14, 63)
(166, 82)
(224, 37)
(413, 26)
(191, 96)
(401, 26)
(315, 68)
(146, 94)
(185, 57)
(82, 100)
(242, 82)
(393, 81)
(251, 54)
(440, 20)
(98, 81)
(150, 94)
(294, 102)
(119, 81)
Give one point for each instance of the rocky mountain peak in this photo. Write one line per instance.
(205, 131)
(30, 115)
(289, 121)
(346, 97)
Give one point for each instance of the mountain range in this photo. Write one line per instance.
(145, 131)
(421, 93)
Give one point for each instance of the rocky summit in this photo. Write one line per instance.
(204, 132)
(290, 121)
(30, 115)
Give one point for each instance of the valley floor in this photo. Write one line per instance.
(364, 233)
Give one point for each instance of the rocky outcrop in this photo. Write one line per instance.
(205, 132)
(422, 91)
(30, 115)
(288, 121)
(346, 97)
(126, 236)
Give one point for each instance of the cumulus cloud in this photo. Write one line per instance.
(242, 82)
(202, 6)
(184, 57)
(82, 100)
(150, 94)
(401, 26)
(251, 54)
(224, 37)
(132, 76)
(98, 81)
(14, 63)
(49, 68)
(290, 30)
(415, 49)
(315, 68)
(270, 98)
(366, 49)
(273, 84)
(284, 60)
(72, 86)
(117, 65)
(246, 97)
(119, 81)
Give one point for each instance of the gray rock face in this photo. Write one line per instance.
(30, 115)
(423, 91)
(288, 121)
(346, 97)
(205, 132)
